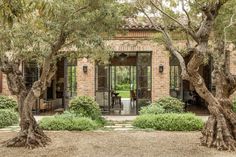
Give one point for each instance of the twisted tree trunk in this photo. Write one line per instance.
(220, 129)
(30, 135)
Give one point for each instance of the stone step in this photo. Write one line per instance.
(113, 126)
(123, 129)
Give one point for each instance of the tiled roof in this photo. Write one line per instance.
(138, 23)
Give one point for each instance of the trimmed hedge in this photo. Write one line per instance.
(164, 105)
(152, 109)
(169, 122)
(170, 104)
(8, 118)
(68, 123)
(85, 107)
(7, 103)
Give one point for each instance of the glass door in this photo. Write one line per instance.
(144, 83)
(103, 87)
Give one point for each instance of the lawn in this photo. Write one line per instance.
(124, 94)
(117, 144)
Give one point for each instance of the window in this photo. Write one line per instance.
(71, 79)
(174, 78)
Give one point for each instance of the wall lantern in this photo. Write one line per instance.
(85, 68)
(161, 68)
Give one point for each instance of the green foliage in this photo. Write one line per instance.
(36, 24)
(85, 107)
(123, 87)
(68, 122)
(8, 117)
(7, 103)
(124, 94)
(170, 104)
(152, 109)
(169, 122)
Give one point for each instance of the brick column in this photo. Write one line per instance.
(160, 81)
(86, 81)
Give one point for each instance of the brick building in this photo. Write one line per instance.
(153, 72)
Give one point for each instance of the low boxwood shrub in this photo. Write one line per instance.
(8, 117)
(152, 109)
(164, 105)
(85, 107)
(170, 104)
(169, 122)
(7, 103)
(68, 122)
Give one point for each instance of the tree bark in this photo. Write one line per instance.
(30, 135)
(220, 129)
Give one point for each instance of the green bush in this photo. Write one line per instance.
(85, 107)
(123, 87)
(152, 109)
(169, 122)
(170, 104)
(8, 118)
(7, 103)
(68, 122)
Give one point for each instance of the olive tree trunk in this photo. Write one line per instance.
(30, 134)
(220, 129)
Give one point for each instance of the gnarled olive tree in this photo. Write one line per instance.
(43, 32)
(200, 26)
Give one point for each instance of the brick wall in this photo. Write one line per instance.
(160, 81)
(86, 81)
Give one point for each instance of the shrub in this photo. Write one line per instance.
(169, 122)
(68, 122)
(85, 107)
(7, 103)
(123, 87)
(170, 104)
(8, 117)
(152, 109)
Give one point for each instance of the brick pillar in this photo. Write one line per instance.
(86, 80)
(160, 81)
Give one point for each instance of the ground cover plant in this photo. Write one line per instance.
(164, 105)
(68, 121)
(7, 103)
(8, 117)
(169, 122)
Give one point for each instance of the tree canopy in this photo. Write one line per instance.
(44, 31)
(34, 26)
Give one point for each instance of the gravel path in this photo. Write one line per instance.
(117, 144)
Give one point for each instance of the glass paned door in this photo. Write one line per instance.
(103, 87)
(143, 79)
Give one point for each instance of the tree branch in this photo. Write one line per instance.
(169, 44)
(185, 11)
(186, 29)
